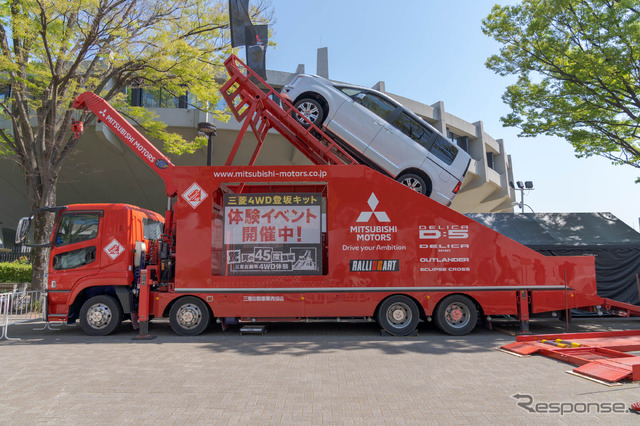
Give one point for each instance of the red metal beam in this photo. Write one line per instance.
(136, 142)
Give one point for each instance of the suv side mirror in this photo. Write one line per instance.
(23, 229)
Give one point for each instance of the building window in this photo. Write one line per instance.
(274, 98)
(5, 93)
(157, 98)
(490, 162)
(461, 141)
(135, 96)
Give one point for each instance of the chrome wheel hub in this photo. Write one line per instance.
(99, 316)
(309, 110)
(412, 183)
(189, 316)
(399, 314)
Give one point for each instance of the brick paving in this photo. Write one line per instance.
(294, 374)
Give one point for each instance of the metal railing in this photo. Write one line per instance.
(12, 256)
(15, 253)
(20, 307)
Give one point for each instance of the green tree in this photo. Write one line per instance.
(577, 64)
(53, 50)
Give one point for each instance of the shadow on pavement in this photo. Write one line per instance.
(299, 339)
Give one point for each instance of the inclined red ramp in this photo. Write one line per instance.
(612, 369)
(601, 355)
(257, 108)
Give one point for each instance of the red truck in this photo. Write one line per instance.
(292, 243)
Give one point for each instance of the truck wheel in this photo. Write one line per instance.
(398, 315)
(311, 109)
(189, 316)
(456, 315)
(100, 315)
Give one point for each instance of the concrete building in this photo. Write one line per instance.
(102, 169)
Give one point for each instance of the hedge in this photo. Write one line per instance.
(15, 272)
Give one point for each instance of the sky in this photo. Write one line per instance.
(434, 50)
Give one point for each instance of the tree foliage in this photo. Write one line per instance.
(577, 64)
(53, 50)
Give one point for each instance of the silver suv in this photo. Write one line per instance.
(383, 134)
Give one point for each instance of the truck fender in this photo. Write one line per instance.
(125, 297)
(95, 285)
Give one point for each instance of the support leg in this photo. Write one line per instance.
(523, 309)
(143, 307)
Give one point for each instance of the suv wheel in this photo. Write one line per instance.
(311, 109)
(415, 182)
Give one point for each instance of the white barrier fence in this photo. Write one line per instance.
(20, 307)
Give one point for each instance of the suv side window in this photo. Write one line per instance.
(349, 91)
(415, 130)
(375, 104)
(75, 228)
(444, 150)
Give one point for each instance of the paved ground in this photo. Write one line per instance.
(295, 374)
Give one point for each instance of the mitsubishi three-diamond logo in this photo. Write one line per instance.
(373, 203)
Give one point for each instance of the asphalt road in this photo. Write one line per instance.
(326, 373)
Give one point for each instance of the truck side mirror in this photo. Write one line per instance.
(23, 229)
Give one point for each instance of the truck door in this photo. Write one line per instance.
(76, 249)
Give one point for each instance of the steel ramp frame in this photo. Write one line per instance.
(255, 107)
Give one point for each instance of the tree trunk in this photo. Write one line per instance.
(43, 227)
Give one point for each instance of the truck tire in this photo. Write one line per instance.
(398, 315)
(189, 316)
(100, 315)
(456, 315)
(312, 109)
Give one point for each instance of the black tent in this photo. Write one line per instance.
(615, 244)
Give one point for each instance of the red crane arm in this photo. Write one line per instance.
(151, 155)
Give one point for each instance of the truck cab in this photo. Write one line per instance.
(93, 270)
